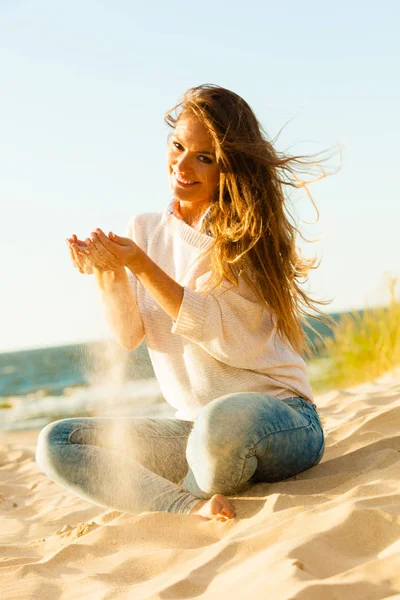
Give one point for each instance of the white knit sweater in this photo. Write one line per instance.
(221, 342)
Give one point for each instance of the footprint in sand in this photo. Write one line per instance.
(64, 531)
(84, 528)
(79, 530)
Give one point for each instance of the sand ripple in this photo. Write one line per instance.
(330, 533)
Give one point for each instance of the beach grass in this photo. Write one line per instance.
(365, 345)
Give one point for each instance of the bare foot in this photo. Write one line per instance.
(218, 507)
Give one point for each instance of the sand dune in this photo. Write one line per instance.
(330, 533)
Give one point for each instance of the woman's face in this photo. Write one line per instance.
(192, 167)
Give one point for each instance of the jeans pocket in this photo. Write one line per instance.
(302, 407)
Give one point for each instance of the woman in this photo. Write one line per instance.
(212, 283)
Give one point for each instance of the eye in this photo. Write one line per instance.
(177, 145)
(205, 159)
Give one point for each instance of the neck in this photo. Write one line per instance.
(191, 214)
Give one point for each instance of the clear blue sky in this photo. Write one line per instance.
(83, 90)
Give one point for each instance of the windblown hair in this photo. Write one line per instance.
(254, 232)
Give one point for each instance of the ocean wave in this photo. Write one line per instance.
(133, 398)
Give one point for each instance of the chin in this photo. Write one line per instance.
(183, 195)
(182, 198)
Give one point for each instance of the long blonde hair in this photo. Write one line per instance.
(254, 232)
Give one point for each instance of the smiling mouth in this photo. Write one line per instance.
(185, 183)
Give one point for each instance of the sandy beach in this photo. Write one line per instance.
(330, 533)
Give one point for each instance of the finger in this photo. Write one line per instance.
(104, 246)
(72, 254)
(79, 247)
(112, 246)
(98, 259)
(122, 241)
(75, 255)
(93, 255)
(79, 259)
(79, 256)
(78, 250)
(72, 240)
(80, 242)
(84, 265)
(105, 241)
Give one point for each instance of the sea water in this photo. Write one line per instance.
(98, 378)
(42, 385)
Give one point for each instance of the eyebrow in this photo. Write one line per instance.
(197, 151)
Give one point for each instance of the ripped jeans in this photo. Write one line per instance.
(138, 464)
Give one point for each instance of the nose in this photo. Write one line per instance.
(183, 162)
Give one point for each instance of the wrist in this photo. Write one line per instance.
(107, 279)
(137, 261)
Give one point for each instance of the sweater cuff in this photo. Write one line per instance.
(191, 316)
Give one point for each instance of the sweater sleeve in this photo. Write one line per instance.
(131, 233)
(139, 229)
(233, 327)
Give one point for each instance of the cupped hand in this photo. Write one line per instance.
(79, 260)
(110, 253)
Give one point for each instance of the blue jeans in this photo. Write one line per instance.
(138, 464)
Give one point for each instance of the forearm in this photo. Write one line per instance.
(122, 312)
(164, 289)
